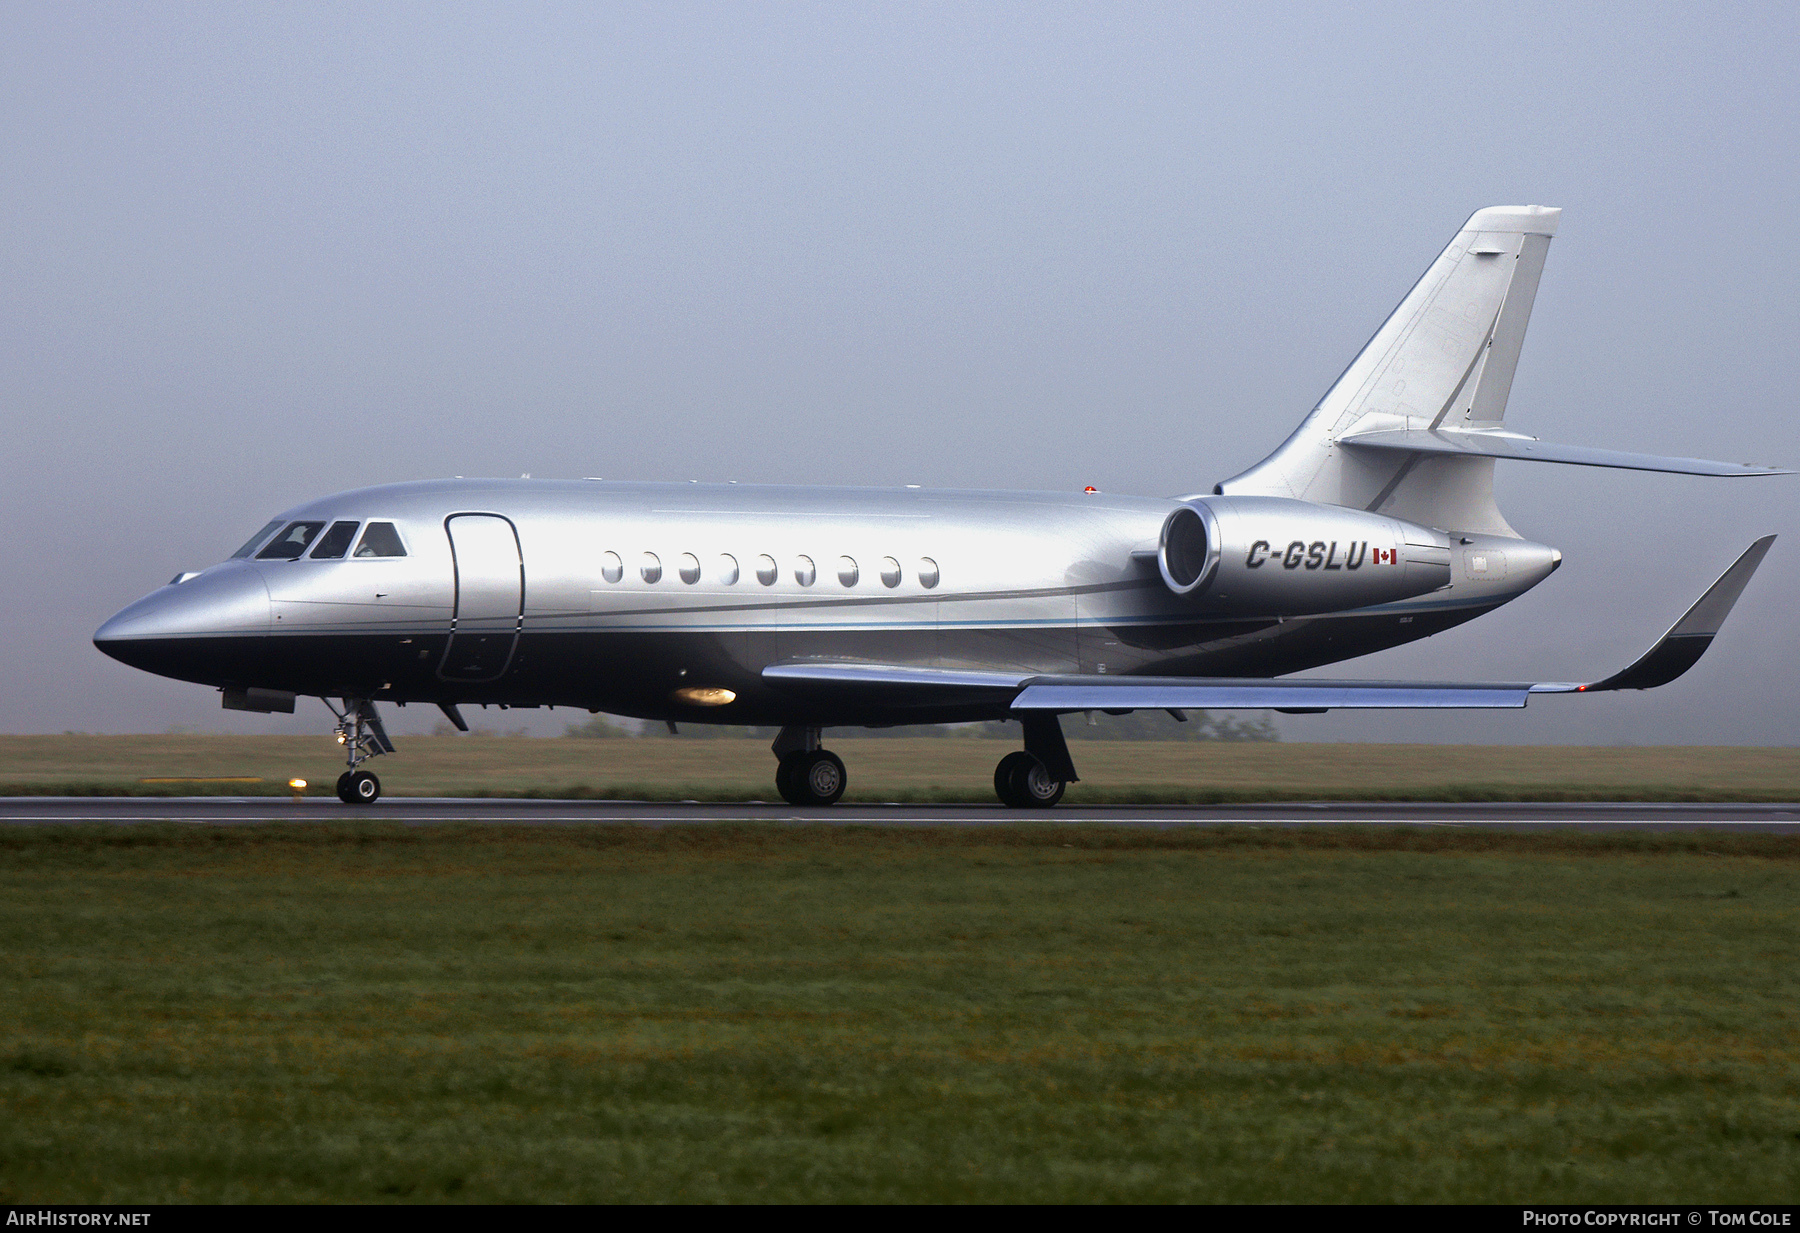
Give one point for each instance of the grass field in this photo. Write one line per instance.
(904, 769)
(363, 1012)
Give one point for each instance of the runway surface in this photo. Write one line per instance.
(423, 811)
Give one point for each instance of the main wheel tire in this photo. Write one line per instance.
(787, 778)
(343, 789)
(365, 789)
(819, 779)
(1005, 777)
(1028, 782)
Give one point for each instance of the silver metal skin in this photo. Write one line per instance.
(1025, 582)
(1371, 526)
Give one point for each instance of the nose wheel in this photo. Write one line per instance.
(358, 788)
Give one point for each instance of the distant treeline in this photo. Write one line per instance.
(1097, 726)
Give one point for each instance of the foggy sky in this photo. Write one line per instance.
(256, 254)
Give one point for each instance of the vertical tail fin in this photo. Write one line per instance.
(1444, 359)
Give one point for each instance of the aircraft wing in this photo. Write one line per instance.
(1676, 652)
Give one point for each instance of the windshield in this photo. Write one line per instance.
(381, 540)
(290, 543)
(335, 542)
(250, 545)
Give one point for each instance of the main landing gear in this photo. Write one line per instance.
(1022, 782)
(1036, 776)
(806, 774)
(354, 786)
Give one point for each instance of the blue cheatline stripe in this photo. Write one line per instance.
(850, 626)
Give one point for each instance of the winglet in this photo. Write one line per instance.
(1688, 639)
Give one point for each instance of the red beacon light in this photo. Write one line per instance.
(1090, 490)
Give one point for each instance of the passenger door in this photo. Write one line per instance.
(490, 597)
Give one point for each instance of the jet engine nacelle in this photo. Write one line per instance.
(1274, 556)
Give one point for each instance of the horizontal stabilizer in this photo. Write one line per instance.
(898, 685)
(1487, 444)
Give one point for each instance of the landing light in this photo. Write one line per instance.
(299, 788)
(704, 696)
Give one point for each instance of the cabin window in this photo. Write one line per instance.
(250, 545)
(890, 572)
(766, 572)
(728, 569)
(650, 567)
(381, 540)
(804, 572)
(611, 568)
(335, 542)
(928, 573)
(847, 571)
(688, 566)
(292, 542)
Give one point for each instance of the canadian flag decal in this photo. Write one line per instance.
(1387, 556)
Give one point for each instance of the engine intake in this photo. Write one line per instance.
(1189, 553)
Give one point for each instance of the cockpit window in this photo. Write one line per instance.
(250, 545)
(381, 540)
(335, 542)
(290, 543)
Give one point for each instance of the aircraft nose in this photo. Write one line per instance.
(209, 628)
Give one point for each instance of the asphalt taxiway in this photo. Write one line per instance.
(1527, 815)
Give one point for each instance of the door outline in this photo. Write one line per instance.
(512, 649)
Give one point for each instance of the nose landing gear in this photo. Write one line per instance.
(359, 787)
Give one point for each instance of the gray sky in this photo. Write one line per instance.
(255, 254)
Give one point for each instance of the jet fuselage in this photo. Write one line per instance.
(662, 600)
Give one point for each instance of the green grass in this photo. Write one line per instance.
(920, 769)
(361, 1012)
